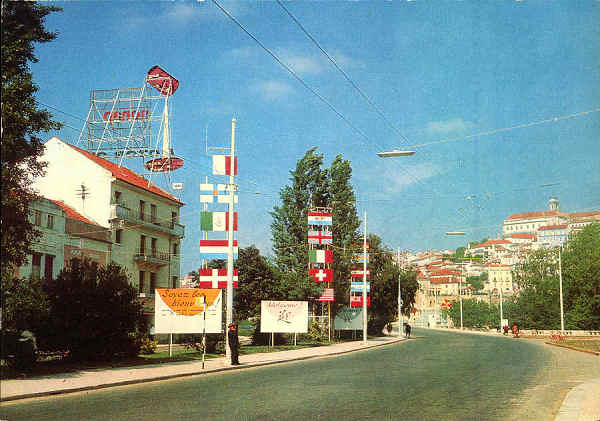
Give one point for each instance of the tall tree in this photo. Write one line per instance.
(289, 227)
(22, 120)
(345, 228)
(581, 279)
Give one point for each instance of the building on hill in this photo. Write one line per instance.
(499, 278)
(529, 222)
(579, 220)
(553, 235)
(142, 218)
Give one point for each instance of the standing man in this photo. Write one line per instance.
(232, 335)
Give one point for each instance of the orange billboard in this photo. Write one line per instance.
(182, 310)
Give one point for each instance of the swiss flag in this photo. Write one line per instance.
(321, 275)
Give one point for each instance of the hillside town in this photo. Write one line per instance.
(443, 276)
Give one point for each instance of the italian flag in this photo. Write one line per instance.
(320, 256)
(217, 221)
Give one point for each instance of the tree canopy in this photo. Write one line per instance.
(22, 121)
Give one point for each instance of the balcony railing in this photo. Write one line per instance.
(152, 256)
(131, 214)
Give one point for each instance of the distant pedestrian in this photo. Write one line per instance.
(505, 328)
(515, 331)
(234, 342)
(407, 329)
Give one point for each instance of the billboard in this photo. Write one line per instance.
(181, 310)
(284, 316)
(348, 318)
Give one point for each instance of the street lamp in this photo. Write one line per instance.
(459, 280)
(391, 154)
(395, 152)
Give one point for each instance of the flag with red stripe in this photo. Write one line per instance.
(222, 165)
(327, 295)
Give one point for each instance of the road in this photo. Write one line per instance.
(435, 375)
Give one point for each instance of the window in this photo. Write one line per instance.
(152, 282)
(173, 219)
(142, 244)
(153, 214)
(141, 282)
(37, 218)
(153, 246)
(50, 222)
(142, 209)
(48, 266)
(117, 196)
(175, 249)
(174, 281)
(118, 236)
(36, 265)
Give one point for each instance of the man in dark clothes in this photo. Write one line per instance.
(407, 330)
(234, 342)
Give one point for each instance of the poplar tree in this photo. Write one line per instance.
(22, 120)
(289, 228)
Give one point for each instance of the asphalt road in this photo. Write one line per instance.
(436, 375)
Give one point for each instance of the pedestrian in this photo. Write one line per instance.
(407, 330)
(505, 328)
(234, 342)
(515, 331)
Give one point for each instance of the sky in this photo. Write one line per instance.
(500, 101)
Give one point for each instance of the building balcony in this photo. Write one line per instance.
(151, 259)
(120, 211)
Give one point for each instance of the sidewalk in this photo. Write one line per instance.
(103, 378)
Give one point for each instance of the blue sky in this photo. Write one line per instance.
(437, 70)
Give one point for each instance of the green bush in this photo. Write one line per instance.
(317, 333)
(147, 345)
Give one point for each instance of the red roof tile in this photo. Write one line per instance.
(552, 227)
(443, 272)
(72, 213)
(526, 236)
(491, 243)
(125, 175)
(584, 214)
(530, 215)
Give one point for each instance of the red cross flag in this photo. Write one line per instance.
(321, 275)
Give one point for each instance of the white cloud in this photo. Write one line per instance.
(301, 63)
(396, 179)
(271, 90)
(455, 125)
(346, 62)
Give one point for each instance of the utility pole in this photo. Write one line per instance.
(364, 289)
(229, 312)
(562, 314)
(400, 318)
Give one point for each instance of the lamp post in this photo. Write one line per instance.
(459, 280)
(392, 154)
(562, 314)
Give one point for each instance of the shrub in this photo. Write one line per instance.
(147, 345)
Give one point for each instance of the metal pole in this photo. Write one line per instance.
(562, 314)
(204, 333)
(460, 296)
(400, 318)
(364, 289)
(501, 314)
(229, 314)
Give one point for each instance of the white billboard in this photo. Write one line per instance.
(284, 316)
(348, 318)
(182, 310)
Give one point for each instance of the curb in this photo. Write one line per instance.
(194, 373)
(572, 405)
(574, 348)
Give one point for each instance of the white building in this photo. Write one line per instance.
(143, 219)
(530, 222)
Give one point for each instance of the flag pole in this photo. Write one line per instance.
(229, 314)
(364, 289)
